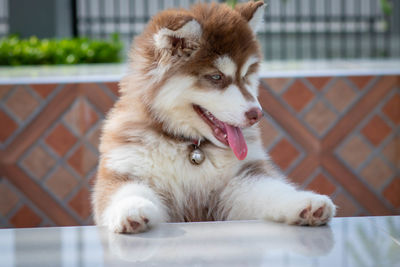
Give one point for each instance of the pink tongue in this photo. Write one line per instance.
(236, 141)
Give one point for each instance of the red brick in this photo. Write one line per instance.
(25, 217)
(284, 154)
(83, 160)
(360, 81)
(376, 130)
(322, 185)
(392, 192)
(8, 126)
(298, 95)
(114, 88)
(44, 89)
(61, 140)
(80, 203)
(392, 109)
(319, 82)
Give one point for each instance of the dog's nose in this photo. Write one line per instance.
(253, 115)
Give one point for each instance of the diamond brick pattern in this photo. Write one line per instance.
(81, 117)
(38, 162)
(4, 90)
(52, 154)
(44, 90)
(376, 130)
(22, 103)
(322, 185)
(81, 203)
(269, 133)
(61, 140)
(61, 183)
(8, 126)
(345, 206)
(328, 155)
(355, 152)
(113, 87)
(83, 160)
(298, 95)
(392, 151)
(8, 199)
(26, 217)
(94, 136)
(319, 82)
(320, 118)
(376, 173)
(391, 192)
(284, 154)
(277, 84)
(349, 139)
(392, 109)
(340, 95)
(360, 81)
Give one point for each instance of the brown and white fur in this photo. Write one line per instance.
(209, 57)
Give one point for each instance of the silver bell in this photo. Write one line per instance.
(196, 157)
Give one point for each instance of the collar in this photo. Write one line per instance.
(195, 142)
(182, 138)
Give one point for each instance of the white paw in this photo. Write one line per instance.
(307, 208)
(132, 215)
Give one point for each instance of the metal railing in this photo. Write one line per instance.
(293, 29)
(3, 17)
(330, 29)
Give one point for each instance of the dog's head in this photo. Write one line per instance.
(201, 69)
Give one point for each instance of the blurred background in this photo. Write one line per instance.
(329, 87)
(305, 29)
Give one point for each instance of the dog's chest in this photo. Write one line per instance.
(175, 161)
(168, 163)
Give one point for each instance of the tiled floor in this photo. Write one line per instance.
(335, 135)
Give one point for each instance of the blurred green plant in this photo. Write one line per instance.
(386, 7)
(231, 3)
(33, 51)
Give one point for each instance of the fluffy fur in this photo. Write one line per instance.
(205, 57)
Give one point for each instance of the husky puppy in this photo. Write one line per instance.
(182, 142)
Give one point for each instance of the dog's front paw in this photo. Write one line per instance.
(132, 215)
(311, 209)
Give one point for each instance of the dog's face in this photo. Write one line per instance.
(203, 65)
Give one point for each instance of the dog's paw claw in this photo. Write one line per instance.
(133, 226)
(133, 215)
(146, 221)
(318, 213)
(304, 213)
(314, 210)
(312, 218)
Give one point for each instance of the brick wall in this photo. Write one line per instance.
(336, 135)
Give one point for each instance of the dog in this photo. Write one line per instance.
(182, 143)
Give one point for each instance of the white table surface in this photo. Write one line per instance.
(361, 241)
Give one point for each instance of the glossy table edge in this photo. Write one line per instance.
(344, 242)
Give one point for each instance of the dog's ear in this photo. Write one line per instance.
(181, 42)
(253, 12)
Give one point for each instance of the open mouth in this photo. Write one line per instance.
(227, 134)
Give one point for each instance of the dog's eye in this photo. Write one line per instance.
(216, 77)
